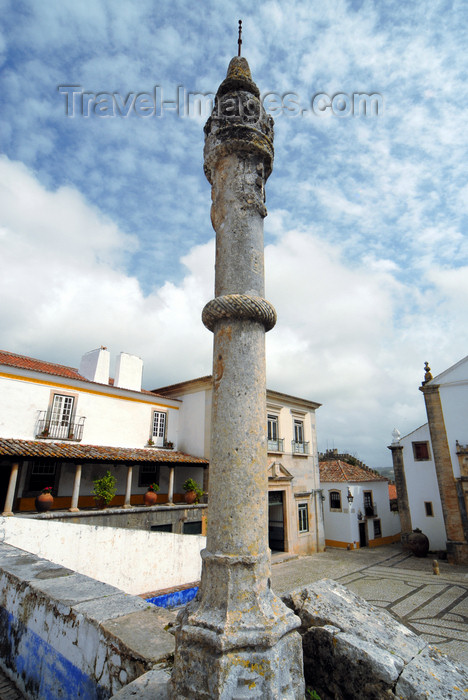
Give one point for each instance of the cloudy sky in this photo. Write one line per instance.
(105, 233)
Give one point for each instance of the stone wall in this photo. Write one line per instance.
(135, 518)
(64, 635)
(135, 561)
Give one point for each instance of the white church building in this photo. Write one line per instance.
(431, 465)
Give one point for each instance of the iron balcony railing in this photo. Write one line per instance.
(299, 448)
(59, 429)
(276, 445)
(370, 511)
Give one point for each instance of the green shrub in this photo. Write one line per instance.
(104, 488)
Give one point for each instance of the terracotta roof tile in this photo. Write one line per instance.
(336, 470)
(92, 453)
(392, 491)
(23, 362)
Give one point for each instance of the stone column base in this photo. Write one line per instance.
(457, 553)
(260, 674)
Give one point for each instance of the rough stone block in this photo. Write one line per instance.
(432, 675)
(327, 602)
(354, 650)
(338, 665)
(152, 685)
(110, 607)
(143, 633)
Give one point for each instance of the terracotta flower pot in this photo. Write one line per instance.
(150, 498)
(44, 502)
(190, 497)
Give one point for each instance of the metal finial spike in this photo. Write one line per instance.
(239, 40)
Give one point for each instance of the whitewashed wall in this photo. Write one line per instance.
(194, 418)
(135, 561)
(389, 520)
(114, 417)
(454, 398)
(338, 525)
(422, 485)
(344, 526)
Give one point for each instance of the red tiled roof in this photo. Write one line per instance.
(92, 453)
(392, 491)
(23, 362)
(336, 470)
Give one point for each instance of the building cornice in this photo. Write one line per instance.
(98, 389)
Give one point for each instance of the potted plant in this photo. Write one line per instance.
(45, 500)
(151, 496)
(193, 492)
(104, 490)
(168, 445)
(150, 442)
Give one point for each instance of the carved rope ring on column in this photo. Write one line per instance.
(239, 306)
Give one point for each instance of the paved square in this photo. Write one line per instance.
(435, 607)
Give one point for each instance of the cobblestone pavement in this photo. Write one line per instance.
(435, 607)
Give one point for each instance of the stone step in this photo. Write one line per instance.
(8, 690)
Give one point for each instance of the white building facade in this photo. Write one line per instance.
(64, 427)
(431, 465)
(295, 504)
(423, 490)
(357, 509)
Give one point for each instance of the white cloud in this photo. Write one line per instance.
(349, 336)
(104, 237)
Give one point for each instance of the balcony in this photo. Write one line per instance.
(276, 445)
(59, 429)
(299, 448)
(370, 511)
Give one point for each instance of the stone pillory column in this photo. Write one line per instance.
(237, 639)
(402, 491)
(450, 498)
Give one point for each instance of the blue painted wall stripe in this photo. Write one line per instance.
(175, 599)
(46, 673)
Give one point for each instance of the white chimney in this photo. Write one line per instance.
(128, 372)
(95, 365)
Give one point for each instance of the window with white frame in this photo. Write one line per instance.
(303, 515)
(299, 446)
(298, 430)
(61, 415)
(275, 444)
(159, 428)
